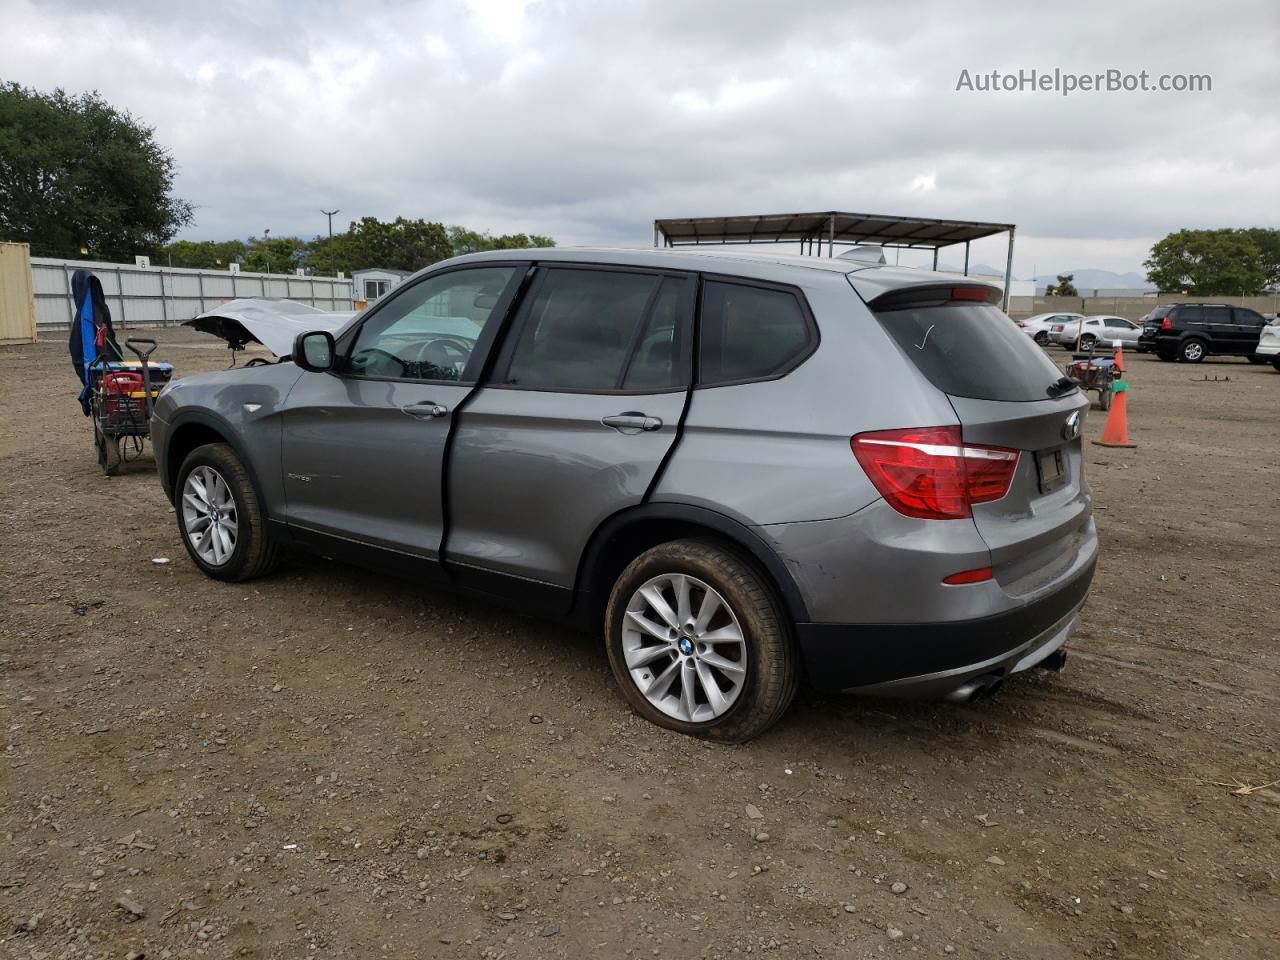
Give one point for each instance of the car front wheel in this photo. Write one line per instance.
(220, 518)
(699, 644)
(1041, 338)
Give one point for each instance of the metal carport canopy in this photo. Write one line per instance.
(832, 227)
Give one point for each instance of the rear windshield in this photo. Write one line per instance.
(971, 350)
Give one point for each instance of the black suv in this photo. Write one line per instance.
(1193, 331)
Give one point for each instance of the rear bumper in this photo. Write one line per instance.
(934, 659)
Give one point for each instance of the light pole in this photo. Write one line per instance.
(329, 214)
(266, 252)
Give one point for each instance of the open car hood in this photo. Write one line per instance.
(272, 323)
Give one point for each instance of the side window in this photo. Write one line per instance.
(427, 332)
(1119, 323)
(1249, 319)
(1217, 315)
(660, 360)
(581, 328)
(1186, 316)
(749, 332)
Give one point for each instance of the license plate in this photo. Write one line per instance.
(1051, 467)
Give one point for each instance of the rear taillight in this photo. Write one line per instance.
(931, 473)
(1058, 328)
(1166, 323)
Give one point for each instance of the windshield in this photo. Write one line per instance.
(971, 350)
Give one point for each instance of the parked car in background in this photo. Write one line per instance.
(1037, 327)
(1269, 345)
(620, 439)
(1091, 331)
(1193, 331)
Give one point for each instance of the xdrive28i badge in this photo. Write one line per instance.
(1071, 428)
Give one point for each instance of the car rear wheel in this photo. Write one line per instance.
(1275, 362)
(1088, 341)
(1254, 358)
(219, 517)
(1192, 351)
(1167, 356)
(699, 644)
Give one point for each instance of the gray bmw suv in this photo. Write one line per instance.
(741, 469)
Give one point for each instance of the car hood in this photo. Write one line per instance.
(272, 323)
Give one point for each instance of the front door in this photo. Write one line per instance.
(582, 407)
(364, 444)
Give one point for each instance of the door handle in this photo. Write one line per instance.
(426, 410)
(631, 422)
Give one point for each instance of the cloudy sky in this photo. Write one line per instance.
(585, 120)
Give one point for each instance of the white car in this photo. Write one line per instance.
(1102, 331)
(1037, 327)
(1269, 344)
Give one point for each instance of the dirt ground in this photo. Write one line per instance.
(328, 763)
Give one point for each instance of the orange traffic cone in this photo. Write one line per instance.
(1115, 433)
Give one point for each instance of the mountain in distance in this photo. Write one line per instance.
(1088, 278)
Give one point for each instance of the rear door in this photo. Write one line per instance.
(582, 405)
(1223, 334)
(1003, 392)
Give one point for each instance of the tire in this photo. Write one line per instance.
(108, 453)
(1088, 341)
(1104, 399)
(1192, 350)
(235, 510)
(749, 615)
(1254, 358)
(1041, 339)
(1275, 362)
(1166, 356)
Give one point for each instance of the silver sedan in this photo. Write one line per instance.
(1102, 331)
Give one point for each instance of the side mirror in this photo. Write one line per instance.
(314, 351)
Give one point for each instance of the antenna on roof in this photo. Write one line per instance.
(864, 253)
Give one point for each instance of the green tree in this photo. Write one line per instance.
(1208, 263)
(76, 172)
(1267, 240)
(399, 244)
(1063, 288)
(203, 254)
(274, 254)
(469, 241)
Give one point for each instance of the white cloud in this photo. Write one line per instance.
(586, 120)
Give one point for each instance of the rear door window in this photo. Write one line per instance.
(600, 331)
(971, 350)
(752, 332)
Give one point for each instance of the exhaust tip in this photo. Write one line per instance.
(979, 688)
(1054, 661)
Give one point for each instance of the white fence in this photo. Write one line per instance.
(153, 296)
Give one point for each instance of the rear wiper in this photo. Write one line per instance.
(1061, 386)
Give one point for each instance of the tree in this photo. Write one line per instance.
(274, 254)
(76, 172)
(204, 254)
(1267, 240)
(1063, 288)
(1211, 263)
(469, 241)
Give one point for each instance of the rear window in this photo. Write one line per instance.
(971, 350)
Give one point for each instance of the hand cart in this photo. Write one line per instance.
(121, 397)
(1097, 374)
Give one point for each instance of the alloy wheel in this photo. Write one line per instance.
(209, 515)
(684, 648)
